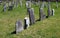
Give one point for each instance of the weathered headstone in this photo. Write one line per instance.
(53, 11)
(26, 22)
(41, 14)
(19, 26)
(31, 16)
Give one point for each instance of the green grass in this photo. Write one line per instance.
(48, 28)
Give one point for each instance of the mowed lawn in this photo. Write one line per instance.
(48, 28)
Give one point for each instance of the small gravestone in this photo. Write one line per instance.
(4, 7)
(19, 26)
(26, 22)
(16, 2)
(10, 7)
(42, 5)
(28, 4)
(49, 10)
(31, 16)
(53, 11)
(12, 3)
(56, 3)
(20, 3)
(41, 14)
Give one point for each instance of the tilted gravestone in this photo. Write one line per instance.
(31, 16)
(26, 22)
(41, 14)
(19, 26)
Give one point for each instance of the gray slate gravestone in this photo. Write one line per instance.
(4, 7)
(31, 16)
(41, 14)
(26, 22)
(49, 10)
(19, 26)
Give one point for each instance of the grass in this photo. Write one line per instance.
(48, 28)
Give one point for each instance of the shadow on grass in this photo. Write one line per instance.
(37, 20)
(14, 32)
(46, 16)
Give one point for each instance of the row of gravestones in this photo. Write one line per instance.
(11, 5)
(28, 4)
(31, 19)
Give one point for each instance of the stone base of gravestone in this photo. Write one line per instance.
(19, 26)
